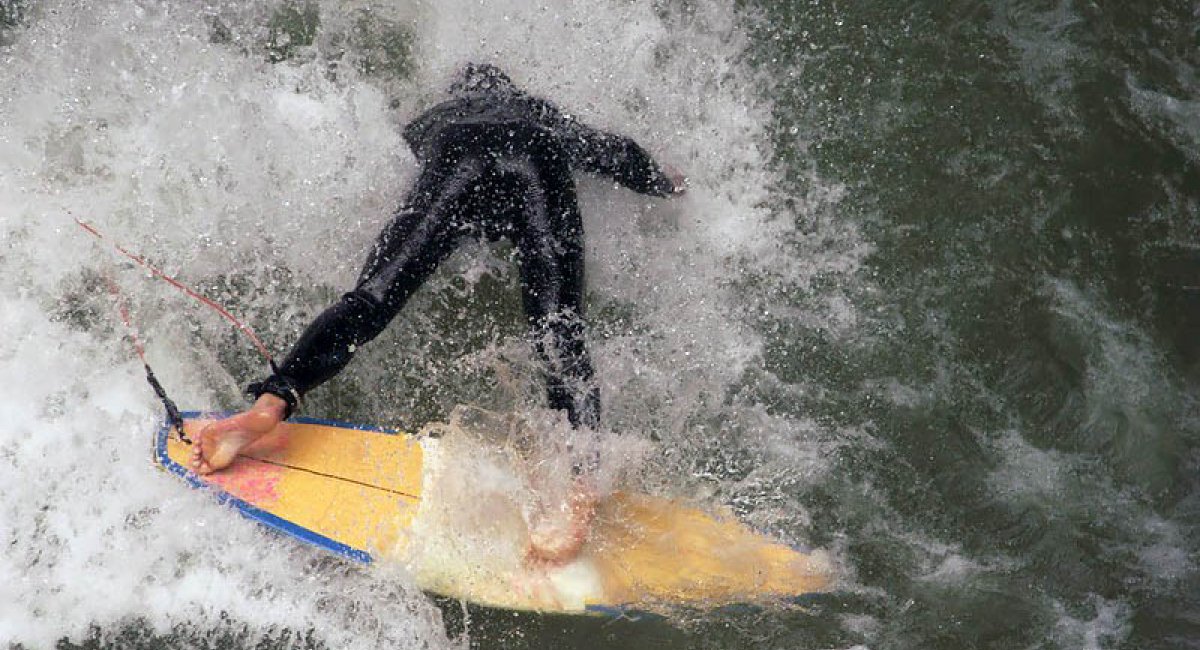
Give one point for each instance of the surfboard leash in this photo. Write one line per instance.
(172, 411)
(188, 291)
(173, 414)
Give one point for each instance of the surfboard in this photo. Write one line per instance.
(375, 495)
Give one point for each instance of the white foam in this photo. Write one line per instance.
(1106, 628)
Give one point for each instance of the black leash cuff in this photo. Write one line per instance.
(279, 386)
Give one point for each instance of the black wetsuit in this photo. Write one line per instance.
(496, 163)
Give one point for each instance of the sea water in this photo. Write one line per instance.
(931, 302)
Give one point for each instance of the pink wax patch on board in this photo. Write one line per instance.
(250, 480)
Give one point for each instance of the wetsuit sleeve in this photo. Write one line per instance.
(607, 154)
(326, 347)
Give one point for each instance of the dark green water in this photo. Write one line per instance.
(1028, 175)
(973, 330)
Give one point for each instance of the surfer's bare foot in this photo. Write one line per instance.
(558, 538)
(219, 443)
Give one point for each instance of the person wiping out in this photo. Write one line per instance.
(497, 162)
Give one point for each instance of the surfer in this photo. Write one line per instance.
(496, 163)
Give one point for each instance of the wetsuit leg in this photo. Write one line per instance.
(422, 234)
(549, 238)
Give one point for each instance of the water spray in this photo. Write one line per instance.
(173, 414)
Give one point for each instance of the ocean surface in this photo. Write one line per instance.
(932, 303)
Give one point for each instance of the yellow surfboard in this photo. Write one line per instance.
(374, 495)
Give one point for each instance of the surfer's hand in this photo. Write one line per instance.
(220, 442)
(678, 180)
(555, 541)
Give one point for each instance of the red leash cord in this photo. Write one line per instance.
(262, 349)
(173, 414)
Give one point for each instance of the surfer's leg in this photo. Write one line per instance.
(408, 251)
(549, 238)
(421, 235)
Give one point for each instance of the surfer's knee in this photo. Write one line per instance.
(369, 312)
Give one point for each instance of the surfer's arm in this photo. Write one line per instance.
(611, 155)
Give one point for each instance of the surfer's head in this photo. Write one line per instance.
(481, 78)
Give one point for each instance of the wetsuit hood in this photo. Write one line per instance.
(479, 92)
(482, 78)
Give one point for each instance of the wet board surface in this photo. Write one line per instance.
(374, 495)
